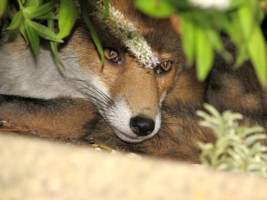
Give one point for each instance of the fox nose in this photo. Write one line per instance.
(142, 126)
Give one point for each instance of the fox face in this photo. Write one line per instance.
(127, 95)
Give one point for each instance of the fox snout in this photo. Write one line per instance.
(142, 126)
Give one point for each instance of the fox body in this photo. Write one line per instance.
(127, 95)
(77, 120)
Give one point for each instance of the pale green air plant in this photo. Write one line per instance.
(125, 31)
(237, 148)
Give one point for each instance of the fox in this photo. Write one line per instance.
(78, 121)
(121, 104)
(127, 95)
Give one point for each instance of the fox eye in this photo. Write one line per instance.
(163, 67)
(112, 55)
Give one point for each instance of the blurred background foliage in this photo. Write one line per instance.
(201, 30)
(200, 27)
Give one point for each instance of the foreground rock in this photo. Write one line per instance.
(35, 169)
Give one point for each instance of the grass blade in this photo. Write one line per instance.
(67, 16)
(32, 37)
(87, 19)
(44, 32)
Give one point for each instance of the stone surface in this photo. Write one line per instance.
(35, 169)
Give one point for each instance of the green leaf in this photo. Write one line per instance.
(254, 138)
(204, 54)
(32, 37)
(248, 131)
(215, 40)
(53, 45)
(187, 37)
(242, 55)
(246, 21)
(68, 14)
(16, 21)
(23, 32)
(86, 17)
(258, 54)
(155, 8)
(235, 4)
(44, 32)
(212, 111)
(35, 12)
(106, 8)
(47, 16)
(33, 3)
(3, 4)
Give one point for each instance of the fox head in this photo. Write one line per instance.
(128, 95)
(126, 92)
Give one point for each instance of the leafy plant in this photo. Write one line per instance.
(237, 148)
(202, 25)
(50, 20)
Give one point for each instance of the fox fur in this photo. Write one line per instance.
(78, 121)
(69, 104)
(126, 94)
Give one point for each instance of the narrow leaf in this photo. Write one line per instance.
(254, 138)
(106, 8)
(86, 17)
(246, 21)
(33, 37)
(47, 16)
(3, 4)
(204, 54)
(155, 8)
(44, 32)
(34, 12)
(215, 40)
(23, 32)
(68, 14)
(187, 37)
(16, 21)
(53, 45)
(258, 54)
(33, 3)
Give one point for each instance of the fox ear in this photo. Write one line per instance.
(175, 23)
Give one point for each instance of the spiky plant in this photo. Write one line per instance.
(237, 148)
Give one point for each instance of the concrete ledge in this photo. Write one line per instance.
(35, 169)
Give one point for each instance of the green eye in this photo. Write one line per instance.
(163, 67)
(112, 55)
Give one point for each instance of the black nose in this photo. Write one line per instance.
(142, 126)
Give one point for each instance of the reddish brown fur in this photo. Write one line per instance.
(140, 88)
(75, 119)
(177, 138)
(59, 118)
